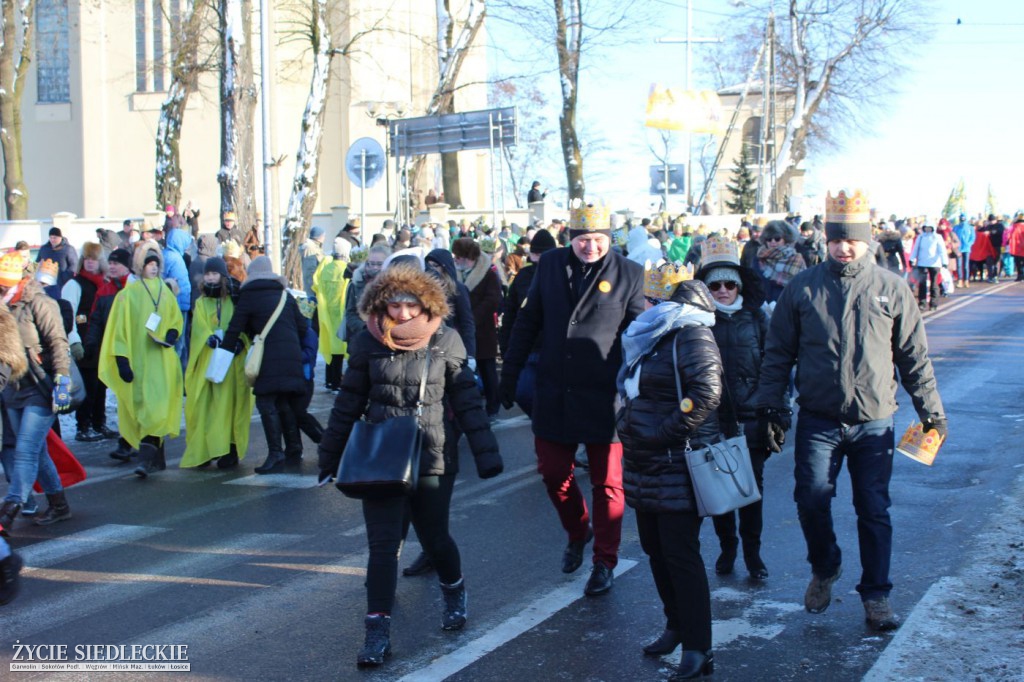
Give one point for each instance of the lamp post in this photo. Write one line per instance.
(382, 113)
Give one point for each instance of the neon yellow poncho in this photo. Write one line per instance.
(331, 288)
(216, 415)
(151, 404)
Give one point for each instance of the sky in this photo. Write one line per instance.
(957, 112)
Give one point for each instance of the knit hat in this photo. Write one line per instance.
(216, 264)
(724, 273)
(121, 256)
(12, 269)
(151, 257)
(542, 241)
(91, 250)
(48, 272)
(55, 232)
(776, 229)
(847, 217)
(262, 268)
(316, 232)
(169, 208)
(342, 248)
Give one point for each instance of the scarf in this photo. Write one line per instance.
(730, 309)
(780, 264)
(412, 334)
(476, 274)
(14, 293)
(644, 333)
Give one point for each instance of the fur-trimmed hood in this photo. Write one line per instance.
(404, 279)
(12, 352)
(143, 249)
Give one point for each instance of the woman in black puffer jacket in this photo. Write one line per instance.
(656, 427)
(404, 308)
(741, 327)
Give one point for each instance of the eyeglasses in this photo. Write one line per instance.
(715, 286)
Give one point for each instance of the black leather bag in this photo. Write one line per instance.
(383, 459)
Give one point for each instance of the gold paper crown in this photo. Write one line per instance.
(719, 251)
(845, 208)
(358, 254)
(919, 444)
(661, 282)
(488, 245)
(589, 217)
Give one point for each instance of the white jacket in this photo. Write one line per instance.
(929, 251)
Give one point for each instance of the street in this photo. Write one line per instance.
(262, 576)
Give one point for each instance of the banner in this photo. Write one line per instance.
(691, 111)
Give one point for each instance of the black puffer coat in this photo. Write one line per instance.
(654, 429)
(281, 371)
(740, 339)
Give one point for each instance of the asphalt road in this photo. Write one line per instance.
(262, 576)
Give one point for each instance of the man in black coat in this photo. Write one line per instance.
(580, 301)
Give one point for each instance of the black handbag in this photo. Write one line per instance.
(383, 459)
(44, 382)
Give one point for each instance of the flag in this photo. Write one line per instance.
(990, 203)
(691, 111)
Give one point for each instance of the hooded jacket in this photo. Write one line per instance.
(929, 251)
(847, 327)
(64, 255)
(13, 363)
(206, 248)
(461, 316)
(964, 231)
(178, 241)
(382, 383)
(43, 339)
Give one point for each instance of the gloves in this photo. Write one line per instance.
(471, 361)
(61, 394)
(938, 424)
(324, 477)
(124, 369)
(213, 341)
(489, 465)
(77, 351)
(507, 392)
(772, 423)
(172, 336)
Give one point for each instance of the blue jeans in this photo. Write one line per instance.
(29, 460)
(821, 445)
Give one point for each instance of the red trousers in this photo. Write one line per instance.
(556, 465)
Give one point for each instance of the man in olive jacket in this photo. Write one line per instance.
(850, 327)
(580, 301)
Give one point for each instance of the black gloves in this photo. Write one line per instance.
(489, 464)
(772, 424)
(172, 336)
(213, 341)
(124, 369)
(507, 392)
(938, 424)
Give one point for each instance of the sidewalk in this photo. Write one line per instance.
(969, 626)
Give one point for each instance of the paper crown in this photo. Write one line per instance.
(230, 215)
(49, 267)
(919, 444)
(358, 254)
(719, 251)
(847, 208)
(488, 244)
(661, 282)
(12, 268)
(589, 217)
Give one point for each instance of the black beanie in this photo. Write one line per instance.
(216, 264)
(542, 241)
(121, 256)
(860, 232)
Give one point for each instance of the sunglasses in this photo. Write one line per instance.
(715, 286)
(775, 239)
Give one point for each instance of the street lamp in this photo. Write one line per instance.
(383, 112)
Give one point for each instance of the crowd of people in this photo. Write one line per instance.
(626, 344)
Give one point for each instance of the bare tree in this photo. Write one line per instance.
(16, 22)
(829, 53)
(535, 149)
(185, 68)
(237, 108)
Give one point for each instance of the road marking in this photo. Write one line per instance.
(72, 546)
(297, 481)
(953, 307)
(529, 617)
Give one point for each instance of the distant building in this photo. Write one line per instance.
(94, 90)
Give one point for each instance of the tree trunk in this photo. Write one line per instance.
(307, 159)
(184, 80)
(237, 106)
(567, 36)
(15, 27)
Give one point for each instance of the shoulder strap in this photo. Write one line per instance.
(277, 313)
(423, 384)
(675, 370)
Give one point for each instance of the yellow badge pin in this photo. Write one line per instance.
(604, 286)
(686, 405)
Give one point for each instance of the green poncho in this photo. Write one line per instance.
(331, 288)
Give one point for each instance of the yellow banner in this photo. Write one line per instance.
(692, 111)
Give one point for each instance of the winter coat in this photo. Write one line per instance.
(352, 323)
(461, 316)
(581, 349)
(43, 339)
(382, 383)
(281, 370)
(93, 337)
(178, 241)
(929, 251)
(846, 326)
(890, 243)
(982, 248)
(485, 301)
(653, 428)
(741, 337)
(13, 362)
(964, 231)
(312, 253)
(64, 255)
(206, 248)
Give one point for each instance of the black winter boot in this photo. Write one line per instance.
(9, 580)
(377, 645)
(148, 455)
(58, 510)
(292, 441)
(8, 512)
(454, 615)
(273, 464)
(230, 460)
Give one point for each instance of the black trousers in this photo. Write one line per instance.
(387, 521)
(751, 520)
(672, 542)
(926, 286)
(93, 410)
(279, 415)
(333, 378)
(488, 369)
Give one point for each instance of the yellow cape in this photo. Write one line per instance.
(151, 404)
(216, 415)
(331, 288)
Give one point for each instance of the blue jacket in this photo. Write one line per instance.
(964, 231)
(178, 241)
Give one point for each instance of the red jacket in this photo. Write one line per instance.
(1015, 243)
